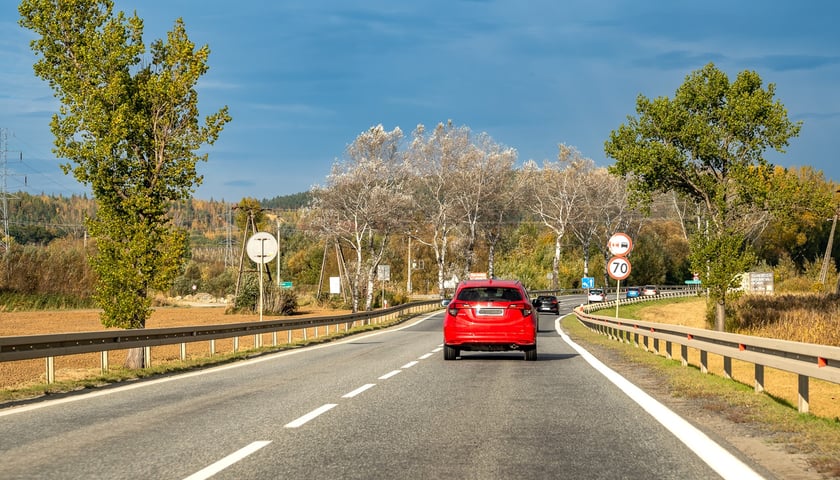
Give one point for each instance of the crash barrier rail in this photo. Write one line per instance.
(53, 345)
(805, 360)
(611, 293)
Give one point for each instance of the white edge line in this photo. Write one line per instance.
(389, 374)
(311, 415)
(358, 390)
(146, 383)
(714, 455)
(224, 463)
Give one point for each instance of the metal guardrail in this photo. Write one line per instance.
(53, 345)
(806, 360)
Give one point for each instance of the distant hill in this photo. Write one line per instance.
(39, 219)
(287, 202)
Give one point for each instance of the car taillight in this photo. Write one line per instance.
(455, 306)
(524, 307)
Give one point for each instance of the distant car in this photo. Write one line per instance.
(633, 292)
(547, 303)
(650, 290)
(490, 316)
(596, 295)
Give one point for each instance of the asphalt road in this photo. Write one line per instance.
(383, 405)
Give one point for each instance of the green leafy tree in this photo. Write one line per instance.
(129, 125)
(707, 143)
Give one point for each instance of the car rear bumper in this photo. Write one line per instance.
(490, 342)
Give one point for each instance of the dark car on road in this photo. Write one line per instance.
(490, 316)
(547, 303)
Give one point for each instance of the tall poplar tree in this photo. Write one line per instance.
(129, 126)
(707, 143)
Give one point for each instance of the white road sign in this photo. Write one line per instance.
(619, 268)
(620, 244)
(261, 247)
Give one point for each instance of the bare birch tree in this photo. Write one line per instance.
(433, 162)
(486, 172)
(363, 203)
(558, 199)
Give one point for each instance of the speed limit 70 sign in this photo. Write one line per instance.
(618, 268)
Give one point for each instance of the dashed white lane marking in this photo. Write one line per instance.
(410, 364)
(437, 350)
(423, 357)
(390, 374)
(715, 456)
(358, 390)
(227, 461)
(311, 415)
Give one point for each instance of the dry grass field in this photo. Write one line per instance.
(73, 367)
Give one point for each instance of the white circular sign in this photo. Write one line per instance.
(261, 247)
(620, 244)
(619, 268)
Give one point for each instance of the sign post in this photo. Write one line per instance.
(261, 248)
(618, 266)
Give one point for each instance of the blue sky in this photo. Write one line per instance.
(304, 78)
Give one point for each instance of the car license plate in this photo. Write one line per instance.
(490, 312)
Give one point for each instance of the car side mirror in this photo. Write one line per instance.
(445, 302)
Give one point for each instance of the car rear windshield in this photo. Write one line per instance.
(489, 294)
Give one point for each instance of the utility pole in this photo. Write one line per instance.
(4, 193)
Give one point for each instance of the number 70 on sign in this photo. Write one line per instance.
(618, 268)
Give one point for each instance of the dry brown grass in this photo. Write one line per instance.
(800, 318)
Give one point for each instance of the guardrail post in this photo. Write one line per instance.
(50, 369)
(147, 357)
(803, 394)
(668, 348)
(704, 361)
(235, 344)
(684, 355)
(727, 367)
(103, 361)
(183, 351)
(759, 378)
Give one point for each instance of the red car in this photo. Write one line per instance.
(490, 316)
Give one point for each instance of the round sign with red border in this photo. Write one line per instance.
(618, 268)
(620, 244)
